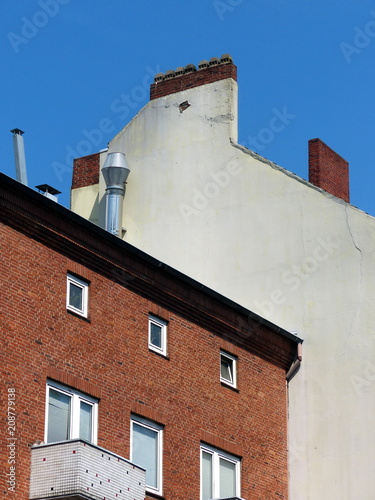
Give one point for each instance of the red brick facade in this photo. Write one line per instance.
(188, 77)
(86, 171)
(107, 354)
(328, 170)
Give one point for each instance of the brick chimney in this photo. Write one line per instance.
(189, 77)
(86, 171)
(328, 170)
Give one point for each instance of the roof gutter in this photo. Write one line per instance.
(296, 364)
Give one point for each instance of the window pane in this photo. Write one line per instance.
(226, 369)
(85, 421)
(227, 479)
(58, 416)
(206, 475)
(76, 296)
(155, 335)
(145, 452)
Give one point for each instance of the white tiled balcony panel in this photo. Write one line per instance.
(79, 470)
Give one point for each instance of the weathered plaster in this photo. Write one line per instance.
(278, 245)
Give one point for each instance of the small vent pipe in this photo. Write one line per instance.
(115, 172)
(19, 155)
(48, 191)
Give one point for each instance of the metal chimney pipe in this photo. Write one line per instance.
(115, 172)
(19, 155)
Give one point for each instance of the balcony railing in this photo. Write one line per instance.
(79, 470)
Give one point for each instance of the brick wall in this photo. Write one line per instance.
(107, 356)
(328, 170)
(86, 171)
(189, 77)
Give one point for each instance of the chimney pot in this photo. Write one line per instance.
(203, 64)
(170, 74)
(180, 71)
(159, 77)
(190, 68)
(226, 58)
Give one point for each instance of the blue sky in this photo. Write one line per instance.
(66, 64)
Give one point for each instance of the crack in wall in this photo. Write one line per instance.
(360, 272)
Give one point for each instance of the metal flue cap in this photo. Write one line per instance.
(115, 169)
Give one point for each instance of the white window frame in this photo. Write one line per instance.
(73, 280)
(74, 417)
(233, 369)
(216, 456)
(153, 320)
(148, 424)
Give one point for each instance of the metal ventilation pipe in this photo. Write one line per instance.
(115, 172)
(19, 155)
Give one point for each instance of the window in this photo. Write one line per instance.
(220, 474)
(146, 451)
(157, 335)
(69, 415)
(228, 369)
(77, 295)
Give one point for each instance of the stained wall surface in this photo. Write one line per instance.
(278, 245)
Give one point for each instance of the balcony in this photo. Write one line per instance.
(78, 470)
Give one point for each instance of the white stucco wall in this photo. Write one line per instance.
(277, 245)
